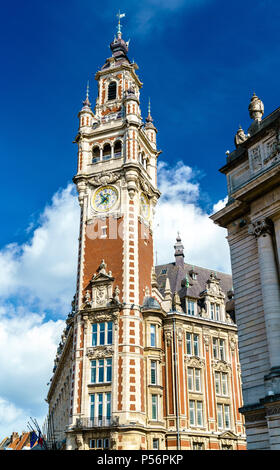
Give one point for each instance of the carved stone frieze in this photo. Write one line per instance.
(105, 177)
(100, 317)
(99, 352)
(194, 361)
(220, 366)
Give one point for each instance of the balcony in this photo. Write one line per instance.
(88, 423)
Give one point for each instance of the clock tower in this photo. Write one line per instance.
(116, 181)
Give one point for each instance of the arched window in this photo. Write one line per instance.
(95, 154)
(107, 152)
(112, 91)
(117, 149)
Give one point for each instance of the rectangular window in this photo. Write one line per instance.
(224, 384)
(99, 443)
(109, 333)
(227, 416)
(195, 345)
(212, 312)
(102, 334)
(153, 372)
(155, 444)
(190, 379)
(192, 412)
(94, 334)
(109, 370)
(154, 407)
(100, 408)
(199, 413)
(108, 406)
(190, 307)
(218, 312)
(222, 349)
(93, 372)
(196, 413)
(92, 444)
(106, 444)
(215, 348)
(197, 380)
(220, 416)
(189, 343)
(101, 371)
(92, 406)
(217, 383)
(153, 335)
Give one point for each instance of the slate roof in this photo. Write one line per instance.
(177, 274)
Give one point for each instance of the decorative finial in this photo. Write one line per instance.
(256, 108)
(120, 15)
(87, 102)
(149, 118)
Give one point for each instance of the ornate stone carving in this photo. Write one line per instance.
(207, 340)
(105, 178)
(177, 303)
(240, 137)
(220, 366)
(193, 361)
(100, 317)
(232, 342)
(99, 352)
(260, 227)
(168, 337)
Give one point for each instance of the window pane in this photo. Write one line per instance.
(215, 348)
(100, 406)
(199, 413)
(220, 416)
(106, 443)
(218, 312)
(92, 402)
(110, 333)
(224, 384)
(217, 383)
(227, 417)
(189, 343)
(92, 443)
(212, 311)
(112, 91)
(93, 372)
(153, 335)
(195, 345)
(190, 379)
(155, 444)
(153, 372)
(108, 405)
(99, 443)
(154, 406)
(192, 410)
(190, 307)
(109, 370)
(102, 333)
(94, 334)
(222, 349)
(101, 371)
(197, 380)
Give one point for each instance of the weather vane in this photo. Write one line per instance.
(120, 15)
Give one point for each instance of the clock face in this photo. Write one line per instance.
(144, 206)
(105, 198)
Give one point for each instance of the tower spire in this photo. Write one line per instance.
(87, 102)
(119, 27)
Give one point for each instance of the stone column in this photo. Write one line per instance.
(263, 230)
(276, 221)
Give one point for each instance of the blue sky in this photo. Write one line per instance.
(200, 62)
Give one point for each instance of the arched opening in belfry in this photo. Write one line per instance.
(112, 91)
(117, 149)
(107, 152)
(95, 154)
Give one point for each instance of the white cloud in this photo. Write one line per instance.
(179, 210)
(44, 269)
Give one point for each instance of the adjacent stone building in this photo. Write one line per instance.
(149, 356)
(252, 218)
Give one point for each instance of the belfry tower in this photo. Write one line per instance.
(143, 345)
(117, 184)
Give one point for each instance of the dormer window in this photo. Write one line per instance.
(112, 91)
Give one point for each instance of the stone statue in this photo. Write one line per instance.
(240, 137)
